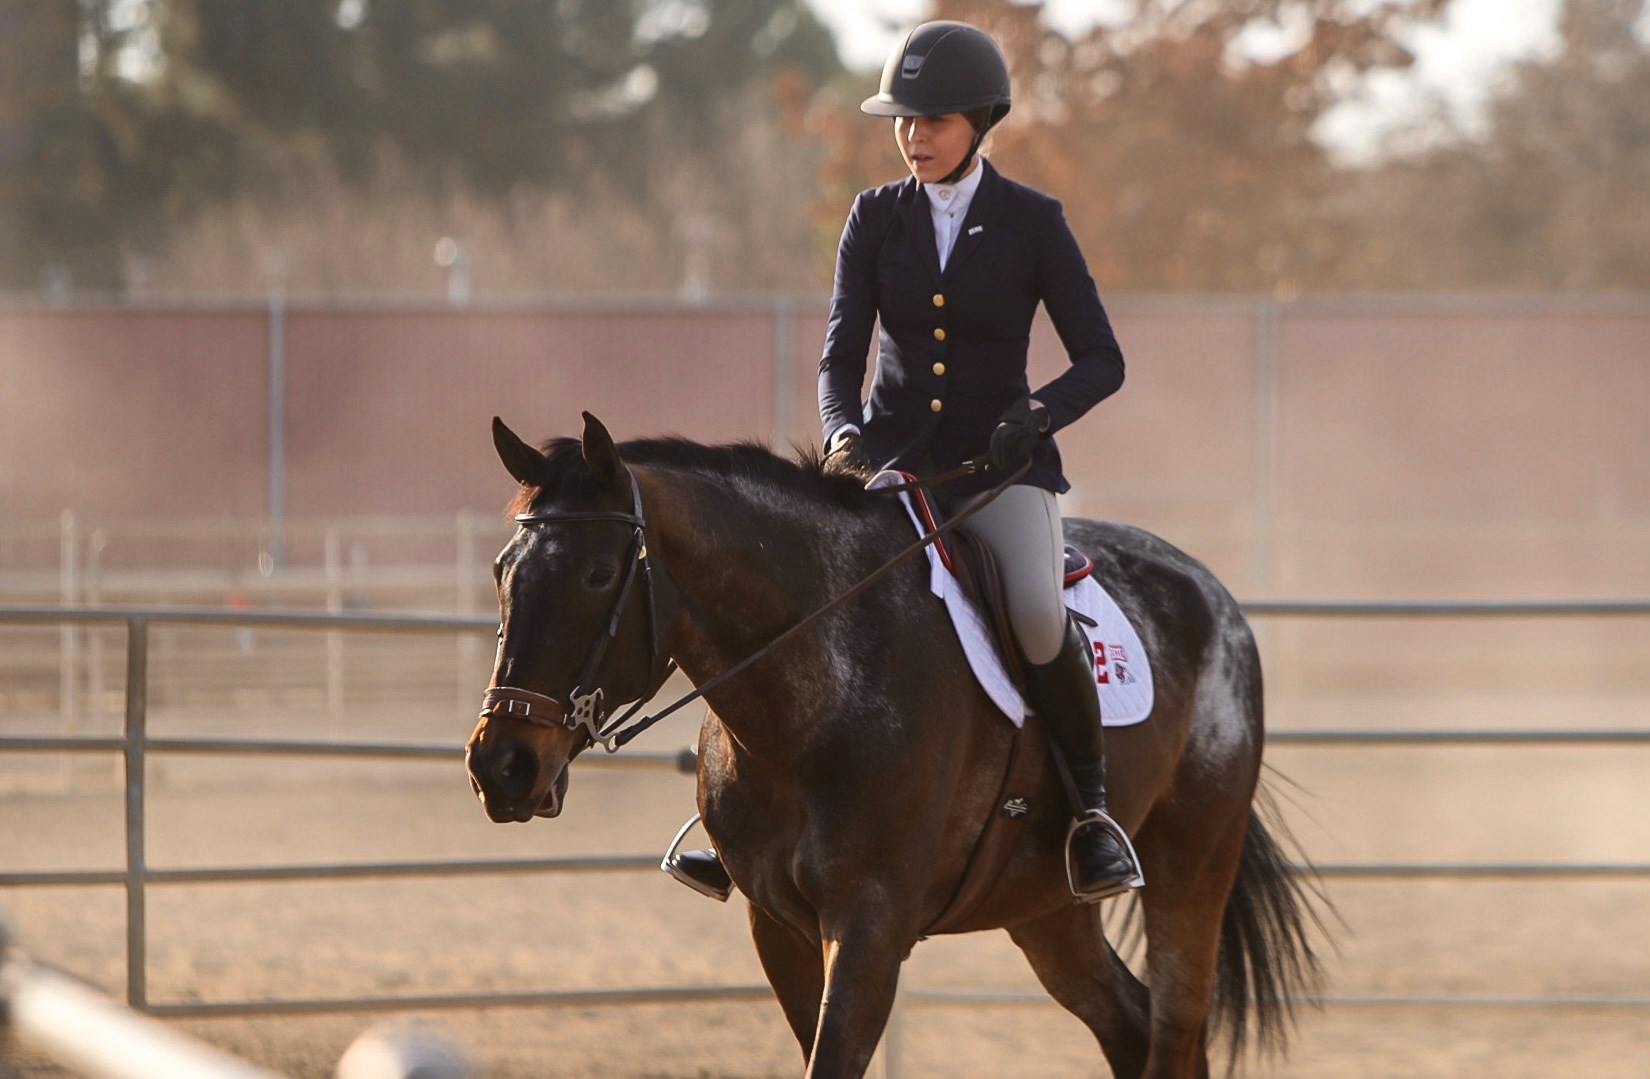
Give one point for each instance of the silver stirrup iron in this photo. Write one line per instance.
(671, 862)
(1103, 820)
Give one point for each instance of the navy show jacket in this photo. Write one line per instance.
(951, 355)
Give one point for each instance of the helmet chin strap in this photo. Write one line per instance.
(962, 166)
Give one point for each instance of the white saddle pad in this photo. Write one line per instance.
(1123, 674)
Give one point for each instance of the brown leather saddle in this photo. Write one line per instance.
(975, 568)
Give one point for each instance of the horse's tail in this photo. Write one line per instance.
(1266, 965)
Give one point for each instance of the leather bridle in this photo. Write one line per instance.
(583, 711)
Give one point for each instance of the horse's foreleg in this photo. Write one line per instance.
(795, 971)
(861, 966)
(1078, 967)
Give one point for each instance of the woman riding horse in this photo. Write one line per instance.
(953, 263)
(849, 773)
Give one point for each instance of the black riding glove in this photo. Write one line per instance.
(1017, 434)
(848, 456)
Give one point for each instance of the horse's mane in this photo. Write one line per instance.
(565, 472)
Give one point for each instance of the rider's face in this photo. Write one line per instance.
(933, 145)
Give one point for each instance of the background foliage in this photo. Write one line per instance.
(578, 146)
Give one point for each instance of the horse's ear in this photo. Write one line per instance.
(599, 452)
(521, 460)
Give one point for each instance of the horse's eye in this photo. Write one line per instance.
(600, 575)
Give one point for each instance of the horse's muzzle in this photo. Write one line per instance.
(506, 775)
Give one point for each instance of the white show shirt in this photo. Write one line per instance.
(948, 204)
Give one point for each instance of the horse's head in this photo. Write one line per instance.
(579, 629)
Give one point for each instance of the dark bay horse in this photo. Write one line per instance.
(846, 775)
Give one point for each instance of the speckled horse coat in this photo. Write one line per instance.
(846, 777)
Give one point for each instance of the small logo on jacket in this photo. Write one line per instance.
(976, 230)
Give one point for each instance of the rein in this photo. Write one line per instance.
(584, 713)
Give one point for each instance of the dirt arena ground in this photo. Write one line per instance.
(1493, 937)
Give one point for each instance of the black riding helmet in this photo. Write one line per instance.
(943, 67)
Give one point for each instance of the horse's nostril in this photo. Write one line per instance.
(517, 768)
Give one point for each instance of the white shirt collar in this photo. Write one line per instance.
(948, 207)
(954, 198)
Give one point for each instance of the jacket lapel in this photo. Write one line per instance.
(982, 212)
(919, 226)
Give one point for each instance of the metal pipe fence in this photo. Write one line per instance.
(137, 875)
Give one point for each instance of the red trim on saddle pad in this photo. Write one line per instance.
(1078, 565)
(931, 521)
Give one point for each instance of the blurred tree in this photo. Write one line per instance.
(1554, 194)
(1182, 142)
(89, 155)
(131, 115)
(38, 92)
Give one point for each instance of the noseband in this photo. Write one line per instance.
(583, 712)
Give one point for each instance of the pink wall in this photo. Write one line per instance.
(1392, 416)
(125, 413)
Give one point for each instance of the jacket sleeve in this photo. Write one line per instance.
(1073, 305)
(853, 314)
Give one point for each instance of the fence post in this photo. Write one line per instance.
(469, 650)
(68, 636)
(275, 363)
(1263, 508)
(1263, 524)
(332, 557)
(892, 1037)
(92, 590)
(137, 733)
(784, 369)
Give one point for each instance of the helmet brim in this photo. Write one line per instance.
(882, 105)
(878, 105)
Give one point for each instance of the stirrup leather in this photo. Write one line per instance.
(672, 863)
(1104, 820)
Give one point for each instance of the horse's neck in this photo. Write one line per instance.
(747, 563)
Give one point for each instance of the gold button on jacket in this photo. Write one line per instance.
(939, 299)
(939, 368)
(939, 334)
(935, 405)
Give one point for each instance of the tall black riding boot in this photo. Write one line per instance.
(1100, 860)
